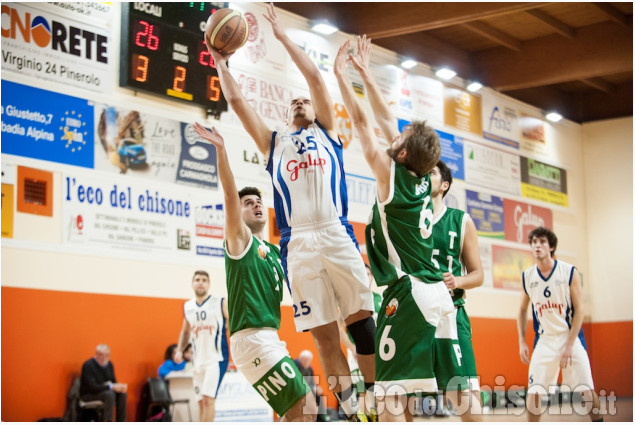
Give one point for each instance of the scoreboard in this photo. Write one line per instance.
(163, 52)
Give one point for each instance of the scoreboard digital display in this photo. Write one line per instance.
(163, 52)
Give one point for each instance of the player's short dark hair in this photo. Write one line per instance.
(170, 351)
(446, 175)
(201, 272)
(423, 147)
(249, 191)
(539, 232)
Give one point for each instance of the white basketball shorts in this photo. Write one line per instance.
(326, 271)
(545, 366)
(205, 380)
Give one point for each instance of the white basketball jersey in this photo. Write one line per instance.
(550, 298)
(307, 172)
(206, 325)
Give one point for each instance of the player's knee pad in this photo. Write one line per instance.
(363, 334)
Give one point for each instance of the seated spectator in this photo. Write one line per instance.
(98, 383)
(303, 362)
(170, 365)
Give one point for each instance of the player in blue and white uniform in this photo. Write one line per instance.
(554, 289)
(204, 327)
(320, 256)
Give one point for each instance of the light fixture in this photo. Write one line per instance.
(408, 63)
(553, 116)
(323, 26)
(445, 73)
(474, 86)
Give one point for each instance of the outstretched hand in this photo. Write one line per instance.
(211, 136)
(278, 29)
(361, 61)
(342, 59)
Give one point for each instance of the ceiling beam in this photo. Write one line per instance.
(600, 84)
(595, 105)
(597, 50)
(547, 99)
(614, 14)
(431, 51)
(493, 34)
(560, 27)
(394, 19)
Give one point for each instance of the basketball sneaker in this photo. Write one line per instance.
(360, 416)
(373, 416)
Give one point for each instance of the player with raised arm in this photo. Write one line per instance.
(319, 252)
(554, 289)
(399, 244)
(456, 254)
(254, 287)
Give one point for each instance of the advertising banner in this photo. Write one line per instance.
(487, 213)
(362, 192)
(485, 251)
(491, 168)
(508, 265)
(427, 98)
(146, 146)
(44, 125)
(238, 401)
(43, 45)
(543, 182)
(462, 110)
(148, 218)
(521, 218)
(533, 138)
(452, 153)
(455, 197)
(98, 11)
(7, 211)
(500, 122)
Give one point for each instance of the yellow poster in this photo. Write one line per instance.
(7, 210)
(545, 195)
(462, 110)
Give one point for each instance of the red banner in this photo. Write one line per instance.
(521, 218)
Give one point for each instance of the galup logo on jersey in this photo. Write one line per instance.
(540, 307)
(294, 166)
(203, 328)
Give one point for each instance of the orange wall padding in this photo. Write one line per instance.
(47, 335)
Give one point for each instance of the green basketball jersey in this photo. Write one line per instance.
(448, 232)
(254, 287)
(399, 235)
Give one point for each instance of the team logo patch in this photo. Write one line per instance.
(257, 362)
(533, 284)
(391, 308)
(263, 250)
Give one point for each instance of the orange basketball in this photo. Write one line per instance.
(226, 30)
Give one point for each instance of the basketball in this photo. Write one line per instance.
(226, 30)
